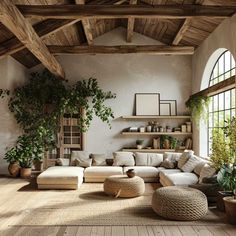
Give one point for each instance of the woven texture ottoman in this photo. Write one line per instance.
(179, 203)
(123, 186)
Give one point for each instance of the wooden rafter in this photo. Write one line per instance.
(217, 88)
(130, 24)
(124, 11)
(43, 29)
(12, 18)
(86, 25)
(184, 27)
(124, 49)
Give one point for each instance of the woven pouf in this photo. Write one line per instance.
(179, 203)
(123, 186)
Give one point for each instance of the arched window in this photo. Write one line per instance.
(222, 105)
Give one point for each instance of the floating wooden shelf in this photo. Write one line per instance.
(147, 150)
(155, 133)
(155, 117)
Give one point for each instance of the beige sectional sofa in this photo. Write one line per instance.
(170, 169)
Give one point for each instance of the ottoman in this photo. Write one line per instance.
(61, 177)
(179, 203)
(123, 186)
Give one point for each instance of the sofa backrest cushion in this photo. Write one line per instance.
(184, 158)
(79, 155)
(98, 159)
(199, 166)
(206, 172)
(62, 161)
(83, 163)
(192, 162)
(148, 159)
(172, 156)
(123, 159)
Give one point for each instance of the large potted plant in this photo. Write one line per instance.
(11, 156)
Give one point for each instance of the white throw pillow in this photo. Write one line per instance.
(184, 158)
(192, 162)
(99, 159)
(79, 155)
(206, 172)
(83, 163)
(148, 159)
(199, 166)
(123, 159)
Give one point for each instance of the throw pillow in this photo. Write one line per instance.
(148, 159)
(62, 162)
(79, 155)
(123, 159)
(184, 158)
(99, 159)
(83, 163)
(207, 171)
(198, 167)
(192, 162)
(169, 164)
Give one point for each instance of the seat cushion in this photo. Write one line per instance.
(61, 175)
(148, 173)
(163, 172)
(179, 179)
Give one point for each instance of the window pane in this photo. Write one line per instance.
(233, 98)
(227, 61)
(227, 100)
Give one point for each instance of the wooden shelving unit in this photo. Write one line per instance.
(154, 117)
(147, 150)
(155, 133)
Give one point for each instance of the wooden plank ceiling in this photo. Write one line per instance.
(182, 32)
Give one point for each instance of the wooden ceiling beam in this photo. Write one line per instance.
(43, 29)
(124, 49)
(126, 11)
(12, 18)
(86, 25)
(130, 24)
(184, 27)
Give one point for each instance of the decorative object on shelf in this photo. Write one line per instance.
(188, 143)
(142, 129)
(149, 127)
(147, 104)
(165, 142)
(189, 127)
(168, 129)
(172, 107)
(183, 128)
(139, 143)
(173, 142)
(165, 109)
(198, 106)
(161, 129)
(156, 143)
(130, 173)
(133, 129)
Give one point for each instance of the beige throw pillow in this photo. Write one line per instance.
(169, 164)
(192, 162)
(78, 155)
(83, 163)
(99, 159)
(148, 159)
(206, 172)
(123, 159)
(184, 158)
(198, 167)
(62, 162)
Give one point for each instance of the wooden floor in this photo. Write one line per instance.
(10, 204)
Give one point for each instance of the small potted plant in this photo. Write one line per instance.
(139, 143)
(11, 156)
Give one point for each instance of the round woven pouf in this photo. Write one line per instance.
(179, 203)
(123, 186)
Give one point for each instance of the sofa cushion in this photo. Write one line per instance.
(148, 159)
(199, 166)
(192, 162)
(79, 155)
(164, 172)
(184, 158)
(179, 179)
(61, 175)
(62, 162)
(144, 171)
(123, 159)
(172, 156)
(83, 163)
(98, 159)
(206, 171)
(102, 171)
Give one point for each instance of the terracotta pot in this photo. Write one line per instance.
(220, 202)
(25, 173)
(230, 208)
(14, 170)
(166, 144)
(38, 165)
(130, 173)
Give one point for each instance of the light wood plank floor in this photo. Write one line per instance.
(10, 203)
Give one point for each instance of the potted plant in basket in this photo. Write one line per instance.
(139, 143)
(11, 156)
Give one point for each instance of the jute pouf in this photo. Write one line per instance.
(179, 203)
(123, 186)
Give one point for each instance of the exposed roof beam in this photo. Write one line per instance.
(86, 25)
(184, 27)
(43, 29)
(12, 18)
(130, 24)
(124, 11)
(124, 49)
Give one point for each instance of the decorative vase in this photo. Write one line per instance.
(166, 144)
(230, 208)
(14, 169)
(130, 173)
(220, 202)
(139, 146)
(25, 173)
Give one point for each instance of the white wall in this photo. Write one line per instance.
(126, 75)
(12, 74)
(203, 61)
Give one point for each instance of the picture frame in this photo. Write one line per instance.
(147, 104)
(173, 106)
(165, 109)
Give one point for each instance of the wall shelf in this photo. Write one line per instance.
(147, 150)
(155, 133)
(154, 117)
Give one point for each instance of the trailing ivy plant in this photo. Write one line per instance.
(43, 99)
(198, 106)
